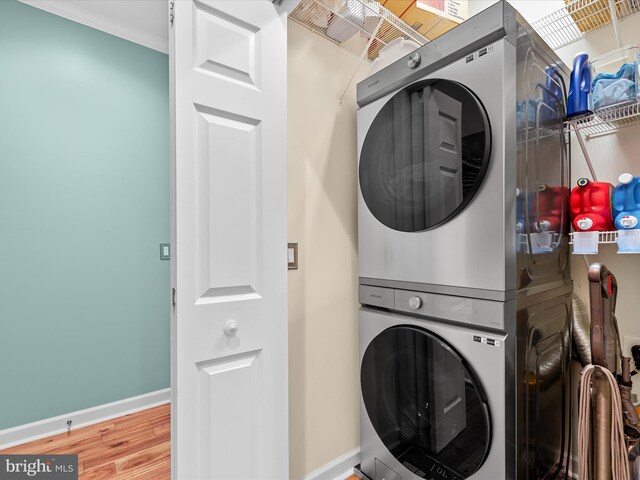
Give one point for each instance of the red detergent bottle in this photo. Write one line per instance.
(591, 206)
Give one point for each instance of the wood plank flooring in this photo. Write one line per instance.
(136, 447)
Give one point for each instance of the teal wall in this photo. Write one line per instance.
(84, 205)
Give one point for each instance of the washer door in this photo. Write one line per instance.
(425, 403)
(425, 155)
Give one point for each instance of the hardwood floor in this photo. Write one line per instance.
(135, 447)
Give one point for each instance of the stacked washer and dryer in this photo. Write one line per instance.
(463, 258)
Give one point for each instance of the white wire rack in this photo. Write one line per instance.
(361, 26)
(607, 120)
(577, 17)
(586, 243)
(603, 237)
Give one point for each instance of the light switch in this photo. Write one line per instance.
(292, 256)
(165, 251)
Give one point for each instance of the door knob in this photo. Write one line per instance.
(231, 328)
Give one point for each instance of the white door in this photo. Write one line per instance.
(229, 327)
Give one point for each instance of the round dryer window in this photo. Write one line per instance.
(425, 155)
(425, 403)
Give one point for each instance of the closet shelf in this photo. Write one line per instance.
(603, 237)
(607, 120)
(578, 17)
(361, 26)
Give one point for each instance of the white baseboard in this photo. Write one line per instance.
(54, 425)
(338, 469)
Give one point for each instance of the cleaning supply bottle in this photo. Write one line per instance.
(591, 206)
(579, 87)
(626, 202)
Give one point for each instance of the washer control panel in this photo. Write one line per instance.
(472, 311)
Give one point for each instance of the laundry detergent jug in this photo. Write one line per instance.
(626, 202)
(591, 206)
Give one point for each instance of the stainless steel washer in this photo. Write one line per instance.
(433, 398)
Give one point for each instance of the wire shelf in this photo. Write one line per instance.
(607, 120)
(603, 237)
(586, 243)
(577, 17)
(361, 26)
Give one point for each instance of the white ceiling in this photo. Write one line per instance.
(141, 21)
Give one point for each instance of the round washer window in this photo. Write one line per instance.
(425, 403)
(425, 155)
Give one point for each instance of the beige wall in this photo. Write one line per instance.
(323, 304)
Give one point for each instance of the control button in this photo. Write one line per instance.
(414, 60)
(585, 223)
(415, 303)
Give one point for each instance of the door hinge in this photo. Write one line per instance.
(171, 12)
(173, 298)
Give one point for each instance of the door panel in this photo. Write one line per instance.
(236, 415)
(227, 243)
(229, 327)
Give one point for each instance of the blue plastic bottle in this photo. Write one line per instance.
(579, 87)
(626, 202)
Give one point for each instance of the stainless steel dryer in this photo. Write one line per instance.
(448, 147)
(463, 223)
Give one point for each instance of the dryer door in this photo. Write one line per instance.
(425, 155)
(425, 403)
